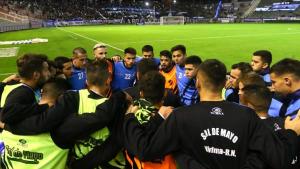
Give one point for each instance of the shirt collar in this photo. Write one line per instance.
(265, 71)
(94, 95)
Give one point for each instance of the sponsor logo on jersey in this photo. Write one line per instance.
(216, 111)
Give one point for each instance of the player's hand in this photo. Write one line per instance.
(116, 58)
(132, 109)
(293, 124)
(228, 84)
(165, 111)
(10, 78)
(2, 125)
(47, 101)
(128, 98)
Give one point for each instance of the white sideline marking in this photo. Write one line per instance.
(6, 74)
(91, 39)
(73, 37)
(8, 52)
(210, 37)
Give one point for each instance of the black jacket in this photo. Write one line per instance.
(216, 134)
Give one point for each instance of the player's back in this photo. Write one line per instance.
(217, 133)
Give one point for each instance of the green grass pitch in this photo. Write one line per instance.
(230, 43)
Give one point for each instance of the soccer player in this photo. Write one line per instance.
(253, 78)
(64, 67)
(82, 102)
(52, 89)
(148, 52)
(168, 70)
(52, 68)
(20, 100)
(191, 68)
(261, 62)
(125, 71)
(216, 133)
(152, 91)
(259, 98)
(100, 53)
(79, 60)
(237, 71)
(143, 67)
(285, 76)
(186, 88)
(37, 145)
(34, 72)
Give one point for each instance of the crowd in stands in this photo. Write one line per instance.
(275, 9)
(126, 11)
(119, 112)
(90, 10)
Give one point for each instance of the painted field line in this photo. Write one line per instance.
(209, 37)
(6, 74)
(91, 39)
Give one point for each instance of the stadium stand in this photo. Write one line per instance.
(274, 9)
(73, 12)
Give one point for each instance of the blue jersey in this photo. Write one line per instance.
(156, 60)
(186, 87)
(232, 95)
(274, 108)
(294, 104)
(289, 106)
(266, 76)
(78, 79)
(123, 77)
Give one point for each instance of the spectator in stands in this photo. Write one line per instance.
(261, 62)
(237, 71)
(168, 70)
(64, 67)
(78, 77)
(285, 76)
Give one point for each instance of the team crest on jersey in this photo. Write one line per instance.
(22, 143)
(217, 111)
(276, 127)
(295, 160)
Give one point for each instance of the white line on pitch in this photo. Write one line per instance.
(209, 37)
(91, 39)
(5, 74)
